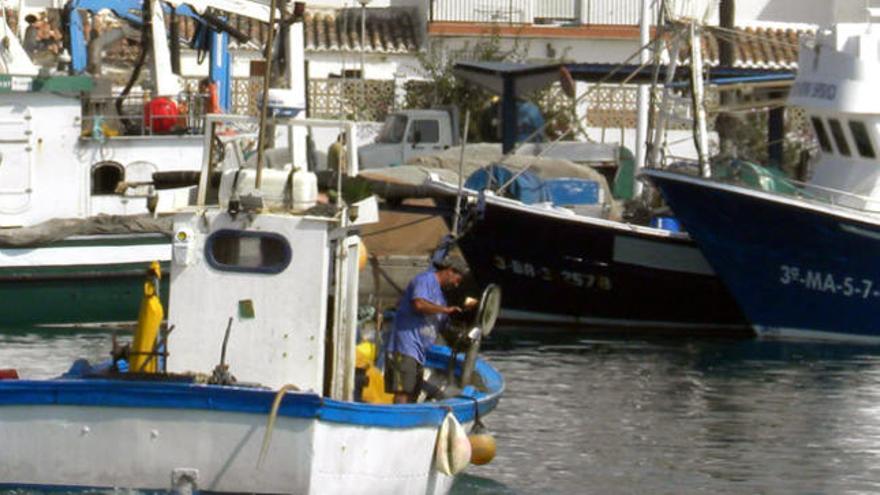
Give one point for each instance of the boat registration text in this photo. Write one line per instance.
(570, 277)
(826, 282)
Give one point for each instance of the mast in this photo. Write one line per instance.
(643, 99)
(700, 130)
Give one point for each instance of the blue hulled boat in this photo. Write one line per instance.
(800, 264)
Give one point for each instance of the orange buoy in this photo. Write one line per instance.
(482, 448)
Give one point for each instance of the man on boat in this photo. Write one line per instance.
(421, 313)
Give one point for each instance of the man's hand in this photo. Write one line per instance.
(470, 303)
(451, 310)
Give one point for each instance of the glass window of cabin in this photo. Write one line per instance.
(241, 251)
(821, 134)
(839, 137)
(424, 131)
(106, 176)
(862, 138)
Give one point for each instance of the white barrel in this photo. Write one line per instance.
(305, 189)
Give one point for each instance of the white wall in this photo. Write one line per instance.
(322, 64)
(818, 12)
(568, 49)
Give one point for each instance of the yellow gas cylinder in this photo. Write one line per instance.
(149, 319)
(374, 391)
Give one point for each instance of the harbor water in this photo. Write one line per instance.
(605, 415)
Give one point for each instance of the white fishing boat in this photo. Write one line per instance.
(252, 387)
(76, 147)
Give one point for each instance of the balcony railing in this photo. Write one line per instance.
(619, 12)
(563, 12)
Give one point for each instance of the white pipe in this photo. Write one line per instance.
(643, 96)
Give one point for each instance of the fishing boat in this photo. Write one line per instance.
(251, 386)
(76, 148)
(800, 263)
(566, 263)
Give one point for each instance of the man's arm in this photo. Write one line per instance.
(426, 307)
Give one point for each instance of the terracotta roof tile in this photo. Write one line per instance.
(754, 47)
(388, 30)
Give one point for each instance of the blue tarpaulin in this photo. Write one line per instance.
(527, 187)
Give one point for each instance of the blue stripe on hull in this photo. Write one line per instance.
(184, 395)
(793, 269)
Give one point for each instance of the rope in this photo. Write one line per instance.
(396, 227)
(374, 261)
(270, 424)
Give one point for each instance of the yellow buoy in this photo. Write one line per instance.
(482, 448)
(149, 319)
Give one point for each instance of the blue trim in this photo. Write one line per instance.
(239, 234)
(171, 395)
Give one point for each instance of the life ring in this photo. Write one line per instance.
(453, 450)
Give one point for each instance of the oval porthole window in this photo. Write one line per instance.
(243, 251)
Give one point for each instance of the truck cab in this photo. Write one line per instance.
(409, 133)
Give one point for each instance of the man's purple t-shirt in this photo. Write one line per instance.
(413, 332)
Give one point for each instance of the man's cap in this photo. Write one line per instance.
(454, 262)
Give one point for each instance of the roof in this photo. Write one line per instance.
(754, 47)
(388, 30)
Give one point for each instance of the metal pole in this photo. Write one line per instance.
(643, 97)
(455, 224)
(261, 141)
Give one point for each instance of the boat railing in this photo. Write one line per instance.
(101, 119)
(801, 190)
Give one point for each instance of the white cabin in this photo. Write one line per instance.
(836, 85)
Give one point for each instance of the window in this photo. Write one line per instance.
(106, 176)
(839, 137)
(254, 252)
(392, 131)
(862, 139)
(424, 131)
(821, 134)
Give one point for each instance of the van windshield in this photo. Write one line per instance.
(393, 129)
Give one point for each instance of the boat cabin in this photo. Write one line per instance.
(836, 86)
(269, 287)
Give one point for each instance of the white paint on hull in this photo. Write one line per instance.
(786, 333)
(83, 255)
(140, 448)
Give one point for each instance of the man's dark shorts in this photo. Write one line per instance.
(403, 374)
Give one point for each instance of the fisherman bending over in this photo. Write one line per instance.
(421, 313)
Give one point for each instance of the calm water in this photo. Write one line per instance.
(604, 415)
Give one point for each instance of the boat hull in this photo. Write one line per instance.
(81, 434)
(797, 268)
(581, 271)
(98, 279)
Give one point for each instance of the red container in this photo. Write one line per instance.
(160, 115)
(8, 374)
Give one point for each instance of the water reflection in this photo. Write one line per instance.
(605, 415)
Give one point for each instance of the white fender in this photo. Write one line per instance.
(453, 451)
